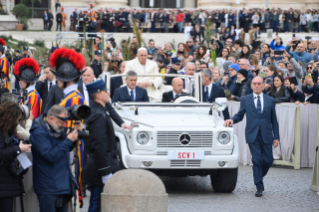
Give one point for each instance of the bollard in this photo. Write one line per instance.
(134, 190)
(269, 33)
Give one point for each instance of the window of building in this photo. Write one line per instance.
(36, 8)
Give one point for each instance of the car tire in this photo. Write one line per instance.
(224, 180)
(119, 156)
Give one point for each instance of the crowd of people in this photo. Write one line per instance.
(177, 20)
(227, 67)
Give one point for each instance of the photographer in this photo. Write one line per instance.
(25, 125)
(10, 184)
(53, 181)
(299, 54)
(69, 67)
(312, 89)
(293, 68)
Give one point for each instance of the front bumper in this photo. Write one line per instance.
(164, 163)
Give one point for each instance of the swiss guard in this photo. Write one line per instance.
(92, 13)
(69, 66)
(27, 71)
(5, 65)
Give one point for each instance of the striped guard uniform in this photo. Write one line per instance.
(5, 67)
(36, 102)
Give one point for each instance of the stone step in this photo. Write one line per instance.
(2, 28)
(160, 38)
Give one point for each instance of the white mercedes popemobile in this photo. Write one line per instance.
(184, 138)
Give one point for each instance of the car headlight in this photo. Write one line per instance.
(224, 137)
(142, 137)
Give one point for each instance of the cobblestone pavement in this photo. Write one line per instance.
(286, 190)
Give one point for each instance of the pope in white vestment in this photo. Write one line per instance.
(141, 65)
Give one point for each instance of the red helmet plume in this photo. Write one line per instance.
(2, 42)
(26, 62)
(69, 54)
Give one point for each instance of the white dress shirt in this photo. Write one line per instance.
(70, 89)
(191, 85)
(209, 89)
(30, 88)
(129, 92)
(86, 95)
(53, 83)
(261, 101)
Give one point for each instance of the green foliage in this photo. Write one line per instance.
(21, 44)
(39, 56)
(39, 43)
(5, 37)
(138, 34)
(103, 52)
(209, 31)
(86, 49)
(20, 11)
(126, 50)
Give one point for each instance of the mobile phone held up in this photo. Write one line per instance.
(278, 52)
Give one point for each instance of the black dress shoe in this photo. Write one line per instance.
(259, 192)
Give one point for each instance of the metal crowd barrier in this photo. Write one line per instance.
(65, 36)
(315, 172)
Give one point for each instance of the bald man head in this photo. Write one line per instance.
(257, 85)
(300, 48)
(88, 75)
(178, 85)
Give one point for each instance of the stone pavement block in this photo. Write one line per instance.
(286, 190)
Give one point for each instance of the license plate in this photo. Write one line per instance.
(186, 155)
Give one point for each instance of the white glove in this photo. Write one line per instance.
(106, 177)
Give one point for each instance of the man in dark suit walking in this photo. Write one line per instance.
(211, 91)
(74, 20)
(45, 84)
(153, 21)
(131, 92)
(45, 18)
(58, 21)
(51, 18)
(170, 96)
(261, 131)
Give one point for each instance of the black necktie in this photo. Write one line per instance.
(258, 106)
(50, 86)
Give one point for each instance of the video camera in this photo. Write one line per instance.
(79, 112)
(24, 95)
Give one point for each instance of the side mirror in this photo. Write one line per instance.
(222, 102)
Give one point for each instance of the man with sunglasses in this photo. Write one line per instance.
(262, 131)
(51, 145)
(229, 42)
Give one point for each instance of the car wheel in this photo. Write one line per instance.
(224, 180)
(119, 156)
